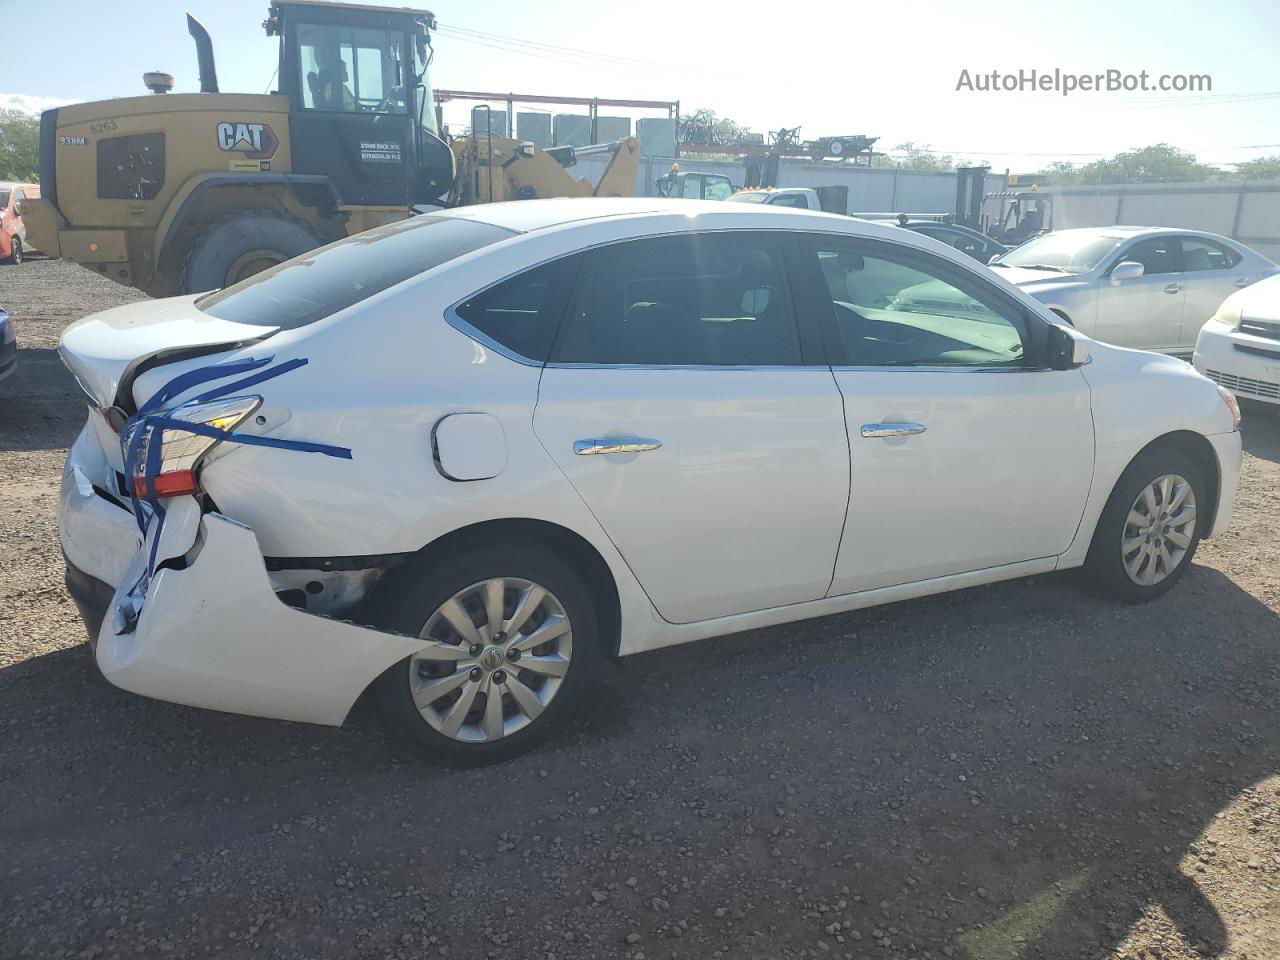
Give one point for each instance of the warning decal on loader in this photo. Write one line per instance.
(379, 151)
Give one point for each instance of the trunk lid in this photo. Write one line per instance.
(110, 349)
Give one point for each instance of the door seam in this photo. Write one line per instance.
(848, 496)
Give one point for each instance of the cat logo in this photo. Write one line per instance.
(256, 141)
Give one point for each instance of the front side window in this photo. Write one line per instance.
(902, 310)
(1155, 255)
(701, 300)
(523, 313)
(353, 69)
(1200, 254)
(318, 284)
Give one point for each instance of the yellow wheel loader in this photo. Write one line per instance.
(181, 193)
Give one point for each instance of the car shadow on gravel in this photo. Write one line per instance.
(1260, 429)
(1012, 771)
(41, 408)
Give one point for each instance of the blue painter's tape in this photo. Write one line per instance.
(152, 420)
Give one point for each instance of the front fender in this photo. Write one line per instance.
(1135, 398)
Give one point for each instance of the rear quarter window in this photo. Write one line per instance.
(319, 284)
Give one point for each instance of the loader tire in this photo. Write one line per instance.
(239, 245)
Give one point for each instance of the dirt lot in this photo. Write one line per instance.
(1019, 771)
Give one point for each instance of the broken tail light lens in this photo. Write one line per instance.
(181, 451)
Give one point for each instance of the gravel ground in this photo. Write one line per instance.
(1020, 771)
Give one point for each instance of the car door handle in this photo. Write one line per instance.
(1242, 281)
(597, 445)
(873, 430)
(1172, 287)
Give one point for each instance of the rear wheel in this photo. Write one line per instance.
(1150, 528)
(510, 646)
(242, 244)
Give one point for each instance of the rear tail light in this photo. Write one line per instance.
(181, 450)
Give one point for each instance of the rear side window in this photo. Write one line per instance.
(132, 167)
(523, 313)
(1200, 254)
(318, 284)
(791, 200)
(702, 300)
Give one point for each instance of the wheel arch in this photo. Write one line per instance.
(578, 551)
(211, 196)
(1200, 451)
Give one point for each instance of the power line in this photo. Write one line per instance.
(571, 56)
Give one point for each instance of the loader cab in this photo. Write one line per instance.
(360, 100)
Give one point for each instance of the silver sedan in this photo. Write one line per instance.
(1151, 288)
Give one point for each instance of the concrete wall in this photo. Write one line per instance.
(1248, 212)
(870, 190)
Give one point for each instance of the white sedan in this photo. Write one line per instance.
(1151, 288)
(1239, 347)
(463, 458)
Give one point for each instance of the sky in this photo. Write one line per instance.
(885, 69)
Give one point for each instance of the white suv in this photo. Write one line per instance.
(465, 457)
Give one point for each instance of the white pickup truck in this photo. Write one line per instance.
(833, 199)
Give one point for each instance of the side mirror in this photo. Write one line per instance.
(1126, 270)
(1068, 348)
(17, 209)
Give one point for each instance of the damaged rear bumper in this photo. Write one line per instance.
(209, 630)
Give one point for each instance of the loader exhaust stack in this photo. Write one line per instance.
(204, 55)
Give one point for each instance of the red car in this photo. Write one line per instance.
(13, 234)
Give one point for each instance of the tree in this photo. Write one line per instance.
(704, 127)
(1259, 168)
(19, 145)
(1061, 172)
(1161, 163)
(917, 157)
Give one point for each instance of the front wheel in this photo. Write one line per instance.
(1150, 528)
(510, 646)
(15, 250)
(240, 245)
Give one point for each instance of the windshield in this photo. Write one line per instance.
(1069, 252)
(319, 284)
(747, 196)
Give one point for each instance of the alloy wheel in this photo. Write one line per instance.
(1158, 530)
(496, 656)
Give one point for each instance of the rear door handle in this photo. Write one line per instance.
(598, 445)
(1172, 287)
(873, 430)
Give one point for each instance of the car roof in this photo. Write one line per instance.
(524, 216)
(1125, 231)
